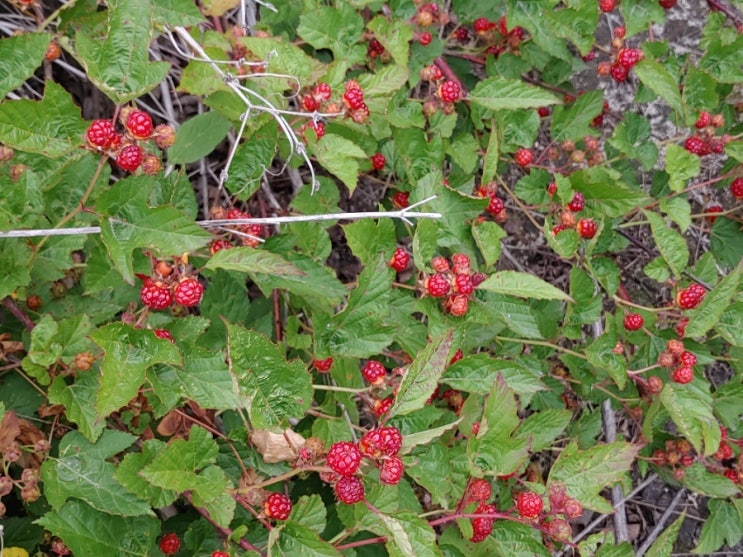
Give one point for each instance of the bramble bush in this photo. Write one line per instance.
(366, 278)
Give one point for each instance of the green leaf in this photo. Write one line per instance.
(91, 533)
(632, 136)
(678, 210)
(409, 535)
(714, 304)
(671, 244)
(51, 127)
(369, 239)
(252, 158)
(337, 29)
(198, 137)
(638, 14)
(253, 262)
(576, 23)
(661, 82)
(726, 242)
(663, 546)
(573, 121)
(522, 285)
(487, 236)
(394, 35)
(297, 539)
(173, 13)
(283, 57)
(542, 428)
(79, 400)
(272, 389)
(422, 377)
(690, 408)
(309, 511)
(500, 93)
(700, 480)
(338, 155)
(19, 57)
(127, 473)
(82, 472)
(724, 524)
(412, 440)
(122, 78)
(477, 373)
(492, 153)
(128, 354)
(586, 473)
(700, 90)
(681, 165)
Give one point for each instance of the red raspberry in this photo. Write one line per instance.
(462, 34)
(139, 124)
(628, 57)
(633, 321)
(725, 452)
(277, 506)
(323, 366)
(667, 4)
(618, 72)
(361, 114)
(450, 91)
(552, 189)
(463, 284)
(188, 292)
(529, 504)
(375, 49)
(374, 372)
(391, 471)
(482, 527)
(163, 333)
(687, 359)
(400, 260)
(438, 285)
(381, 407)
(731, 475)
(440, 264)
(483, 25)
(382, 441)
(587, 228)
(100, 134)
(220, 554)
(461, 263)
(607, 5)
(154, 295)
(713, 208)
(496, 206)
(129, 158)
(695, 145)
(424, 38)
(704, 120)
(479, 490)
(457, 305)
(309, 103)
(322, 92)
(170, 543)
(716, 145)
(219, 245)
(619, 32)
(543, 111)
(682, 375)
(401, 199)
(502, 26)
(319, 128)
(378, 161)
(690, 297)
(349, 490)
(458, 355)
(524, 157)
(353, 98)
(736, 188)
(577, 203)
(343, 458)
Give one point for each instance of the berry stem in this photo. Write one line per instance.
(542, 343)
(340, 389)
(717, 5)
(449, 73)
(361, 543)
(224, 532)
(622, 302)
(643, 370)
(17, 312)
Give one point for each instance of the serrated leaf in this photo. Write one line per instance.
(700, 480)
(412, 440)
(309, 511)
(678, 210)
(177, 466)
(586, 473)
(383, 83)
(369, 239)
(79, 402)
(726, 242)
(663, 546)
(671, 244)
(576, 23)
(573, 121)
(631, 138)
(91, 533)
(661, 82)
(714, 304)
(500, 93)
(681, 165)
(251, 160)
(19, 57)
(51, 127)
(638, 14)
(492, 154)
(724, 524)
(171, 13)
(82, 472)
(338, 155)
(522, 285)
(542, 428)
(395, 37)
(511, 539)
(283, 57)
(421, 379)
(127, 473)
(477, 373)
(409, 535)
(487, 236)
(690, 408)
(337, 29)
(253, 262)
(272, 390)
(198, 136)
(297, 539)
(128, 30)
(128, 352)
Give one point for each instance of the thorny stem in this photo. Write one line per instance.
(225, 532)
(279, 478)
(360, 543)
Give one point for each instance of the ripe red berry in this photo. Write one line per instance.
(309, 103)
(736, 188)
(374, 372)
(482, 527)
(400, 260)
(587, 228)
(100, 134)
(628, 57)
(667, 4)
(344, 458)
(688, 359)
(391, 471)
(633, 321)
(458, 355)
(577, 203)
(462, 34)
(164, 334)
(401, 199)
(731, 475)
(349, 490)
(483, 25)
(353, 98)
(607, 5)
(424, 38)
(219, 245)
(139, 124)
(713, 208)
(322, 92)
(725, 452)
(704, 120)
(129, 158)
(318, 127)
(277, 506)
(154, 295)
(382, 441)
(695, 145)
(461, 263)
(170, 543)
(449, 91)
(619, 32)
(438, 285)
(690, 297)
(463, 284)
(378, 161)
(323, 366)
(457, 305)
(375, 48)
(381, 407)
(188, 292)
(529, 504)
(682, 375)
(524, 157)
(618, 72)
(220, 554)
(479, 490)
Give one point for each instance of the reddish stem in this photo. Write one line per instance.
(729, 13)
(449, 73)
(360, 543)
(224, 532)
(13, 308)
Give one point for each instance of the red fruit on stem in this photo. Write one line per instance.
(438, 285)
(391, 471)
(633, 321)
(400, 260)
(628, 57)
(170, 543)
(461, 263)
(458, 305)
(688, 359)
(401, 199)
(100, 134)
(353, 98)
(343, 458)
(577, 203)
(374, 372)
(483, 25)
(587, 228)
(619, 32)
(219, 245)
(188, 292)
(463, 284)
(607, 5)
(618, 72)
(695, 145)
(154, 295)
(479, 490)
(667, 4)
(482, 527)
(139, 124)
(349, 490)
(322, 92)
(496, 205)
(524, 157)
(378, 161)
(440, 264)
(164, 334)
(129, 158)
(449, 91)
(323, 366)
(277, 506)
(424, 38)
(736, 188)
(704, 120)
(529, 504)
(713, 208)
(381, 407)
(682, 375)
(220, 554)
(382, 441)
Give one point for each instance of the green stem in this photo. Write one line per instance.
(543, 343)
(340, 389)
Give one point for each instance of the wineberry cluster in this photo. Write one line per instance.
(586, 227)
(452, 281)
(492, 37)
(168, 283)
(496, 206)
(704, 140)
(243, 234)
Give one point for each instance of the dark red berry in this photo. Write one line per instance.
(618, 72)
(461, 264)
(100, 134)
(577, 203)
(374, 372)
(322, 92)
(424, 38)
(323, 366)
(482, 527)
(587, 228)
(450, 91)
(401, 199)
(695, 145)
(154, 295)
(382, 441)
(463, 284)
(713, 208)
(344, 458)
(220, 554)
(619, 32)
(682, 375)
(736, 188)
(483, 25)
(318, 127)
(633, 321)
(628, 57)
(479, 490)
(607, 5)
(139, 124)
(277, 506)
(353, 98)
(400, 260)
(349, 490)
(188, 292)
(170, 543)
(529, 504)
(438, 285)
(129, 158)
(309, 103)
(667, 4)
(524, 157)
(381, 407)
(688, 359)
(164, 334)
(378, 161)
(219, 245)
(391, 471)
(704, 120)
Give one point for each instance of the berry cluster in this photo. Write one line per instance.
(244, 234)
(677, 454)
(170, 283)
(496, 206)
(691, 296)
(453, 281)
(353, 99)
(681, 360)
(126, 148)
(586, 227)
(446, 91)
(492, 37)
(704, 140)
